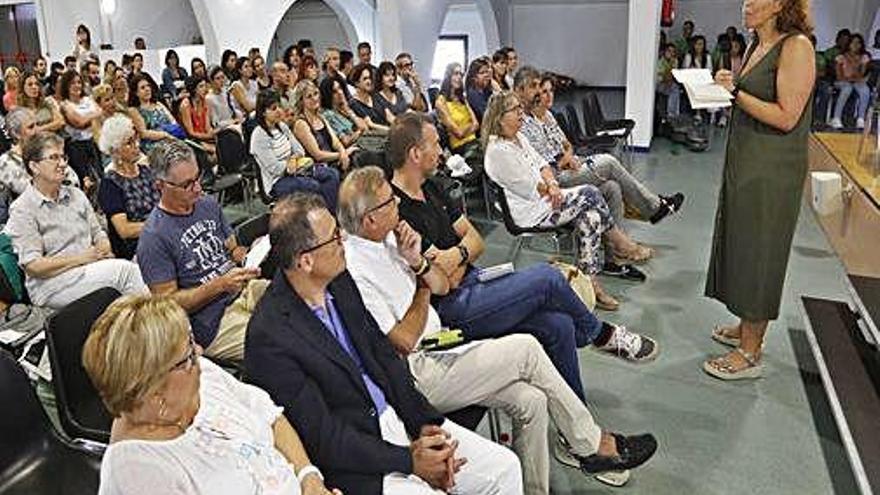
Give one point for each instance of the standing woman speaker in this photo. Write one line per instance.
(764, 171)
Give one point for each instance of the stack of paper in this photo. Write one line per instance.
(701, 89)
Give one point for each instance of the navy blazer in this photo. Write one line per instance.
(294, 357)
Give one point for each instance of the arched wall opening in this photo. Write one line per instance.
(314, 20)
(469, 30)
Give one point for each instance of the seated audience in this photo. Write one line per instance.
(14, 179)
(666, 84)
(536, 199)
(458, 118)
(362, 101)
(91, 76)
(409, 83)
(79, 111)
(223, 114)
(365, 55)
(336, 112)
(512, 65)
(127, 194)
(261, 75)
(46, 112)
(244, 89)
(478, 85)
(291, 58)
(396, 282)
(537, 300)
(56, 234)
(306, 48)
(346, 64)
(110, 69)
(188, 251)
(312, 130)
(841, 45)
(173, 75)
(387, 97)
(314, 347)
(137, 67)
(603, 170)
(104, 98)
(284, 167)
(168, 403)
(499, 71)
(308, 69)
(683, 42)
(281, 83)
(330, 66)
(156, 116)
(11, 83)
(852, 75)
(195, 115)
(41, 69)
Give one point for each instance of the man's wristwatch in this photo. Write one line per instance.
(735, 92)
(465, 254)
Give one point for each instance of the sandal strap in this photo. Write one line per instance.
(750, 358)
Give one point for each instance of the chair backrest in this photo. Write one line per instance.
(499, 194)
(24, 426)
(592, 124)
(80, 410)
(231, 153)
(597, 105)
(574, 124)
(562, 120)
(261, 187)
(252, 229)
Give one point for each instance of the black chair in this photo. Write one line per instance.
(586, 143)
(525, 234)
(252, 229)
(231, 155)
(34, 459)
(595, 125)
(81, 412)
(607, 125)
(257, 176)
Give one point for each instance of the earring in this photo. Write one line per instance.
(163, 407)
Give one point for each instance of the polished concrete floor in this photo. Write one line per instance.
(771, 436)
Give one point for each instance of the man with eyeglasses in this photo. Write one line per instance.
(409, 84)
(313, 346)
(188, 250)
(510, 372)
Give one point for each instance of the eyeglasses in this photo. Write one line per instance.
(406, 65)
(337, 238)
(55, 157)
(189, 185)
(383, 204)
(188, 361)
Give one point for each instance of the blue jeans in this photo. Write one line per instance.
(537, 300)
(323, 180)
(846, 89)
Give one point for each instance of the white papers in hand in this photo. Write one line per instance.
(701, 89)
(258, 252)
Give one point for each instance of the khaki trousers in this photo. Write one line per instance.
(228, 345)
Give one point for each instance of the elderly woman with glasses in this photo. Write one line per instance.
(128, 192)
(181, 424)
(56, 234)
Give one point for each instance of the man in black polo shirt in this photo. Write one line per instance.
(537, 300)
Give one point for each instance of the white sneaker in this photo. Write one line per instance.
(836, 124)
(860, 123)
(630, 346)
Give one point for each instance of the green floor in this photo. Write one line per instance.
(772, 436)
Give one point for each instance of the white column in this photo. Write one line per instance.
(641, 67)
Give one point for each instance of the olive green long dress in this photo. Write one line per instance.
(759, 203)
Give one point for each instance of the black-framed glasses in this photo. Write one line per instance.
(186, 185)
(188, 361)
(55, 157)
(383, 204)
(337, 238)
(516, 108)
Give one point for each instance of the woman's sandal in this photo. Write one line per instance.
(606, 303)
(722, 368)
(640, 254)
(719, 336)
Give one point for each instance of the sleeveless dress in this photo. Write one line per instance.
(759, 202)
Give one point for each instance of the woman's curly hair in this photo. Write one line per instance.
(794, 16)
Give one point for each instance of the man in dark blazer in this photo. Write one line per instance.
(314, 347)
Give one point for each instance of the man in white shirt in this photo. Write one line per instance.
(409, 84)
(383, 255)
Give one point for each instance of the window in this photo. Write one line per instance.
(449, 49)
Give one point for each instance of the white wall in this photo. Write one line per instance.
(466, 19)
(314, 20)
(162, 23)
(711, 17)
(58, 20)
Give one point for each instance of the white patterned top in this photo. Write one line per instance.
(228, 449)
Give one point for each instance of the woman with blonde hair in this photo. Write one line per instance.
(312, 130)
(12, 81)
(764, 172)
(181, 424)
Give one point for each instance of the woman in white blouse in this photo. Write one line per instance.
(535, 198)
(181, 424)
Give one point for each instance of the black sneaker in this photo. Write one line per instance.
(632, 452)
(626, 272)
(668, 206)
